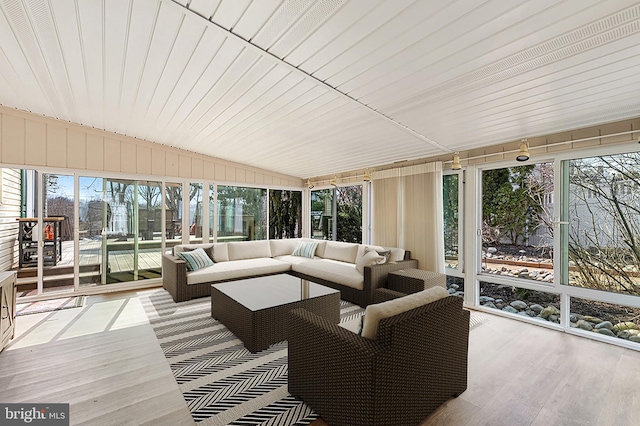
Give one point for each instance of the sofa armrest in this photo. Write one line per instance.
(174, 277)
(375, 276)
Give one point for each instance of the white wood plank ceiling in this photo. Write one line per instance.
(310, 88)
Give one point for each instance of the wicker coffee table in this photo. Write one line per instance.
(255, 309)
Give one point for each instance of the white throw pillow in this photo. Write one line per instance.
(374, 313)
(369, 258)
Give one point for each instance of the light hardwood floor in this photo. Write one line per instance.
(105, 361)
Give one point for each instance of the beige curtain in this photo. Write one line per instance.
(407, 212)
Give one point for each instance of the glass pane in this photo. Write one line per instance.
(605, 318)
(120, 232)
(603, 211)
(195, 212)
(517, 222)
(93, 212)
(212, 207)
(57, 235)
(242, 213)
(149, 230)
(521, 301)
(349, 203)
(322, 214)
(173, 214)
(450, 210)
(285, 214)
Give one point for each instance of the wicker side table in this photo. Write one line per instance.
(415, 280)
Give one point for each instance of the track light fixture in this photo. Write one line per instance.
(309, 184)
(456, 162)
(367, 176)
(334, 181)
(523, 155)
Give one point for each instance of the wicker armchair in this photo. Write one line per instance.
(416, 363)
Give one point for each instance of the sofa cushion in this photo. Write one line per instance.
(189, 247)
(293, 260)
(249, 249)
(344, 252)
(331, 270)
(196, 259)
(322, 245)
(397, 254)
(233, 269)
(283, 246)
(305, 249)
(370, 258)
(220, 252)
(375, 313)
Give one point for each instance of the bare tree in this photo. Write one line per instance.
(604, 232)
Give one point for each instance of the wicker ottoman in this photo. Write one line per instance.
(415, 280)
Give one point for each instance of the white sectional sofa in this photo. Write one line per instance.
(339, 265)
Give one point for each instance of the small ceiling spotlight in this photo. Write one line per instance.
(523, 155)
(367, 176)
(309, 184)
(456, 162)
(334, 181)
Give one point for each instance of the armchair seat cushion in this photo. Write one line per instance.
(379, 311)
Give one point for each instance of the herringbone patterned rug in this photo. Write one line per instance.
(222, 382)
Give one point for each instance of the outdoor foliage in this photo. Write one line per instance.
(251, 202)
(450, 212)
(604, 231)
(285, 214)
(349, 214)
(508, 209)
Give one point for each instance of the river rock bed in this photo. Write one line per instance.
(599, 317)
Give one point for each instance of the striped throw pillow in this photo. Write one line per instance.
(196, 259)
(305, 249)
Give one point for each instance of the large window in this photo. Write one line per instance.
(173, 214)
(242, 213)
(285, 214)
(121, 230)
(195, 212)
(601, 223)
(322, 214)
(451, 219)
(517, 225)
(347, 201)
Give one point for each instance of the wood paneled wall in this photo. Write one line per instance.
(29, 140)
(9, 211)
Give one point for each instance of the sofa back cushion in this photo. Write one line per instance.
(379, 311)
(189, 247)
(220, 252)
(397, 254)
(249, 249)
(283, 247)
(344, 252)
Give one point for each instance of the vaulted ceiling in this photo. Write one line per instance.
(310, 88)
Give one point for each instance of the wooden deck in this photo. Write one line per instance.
(120, 261)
